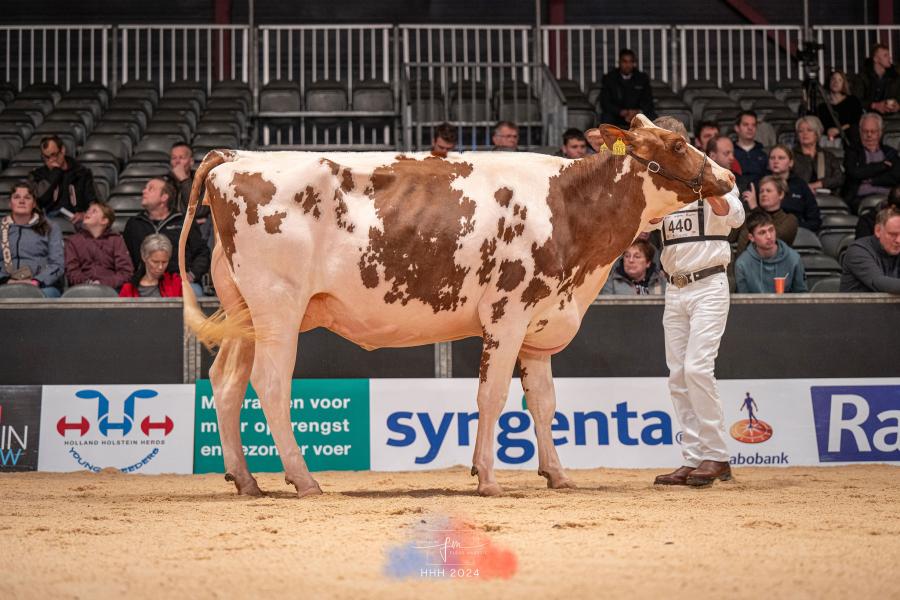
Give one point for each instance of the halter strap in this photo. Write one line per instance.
(696, 184)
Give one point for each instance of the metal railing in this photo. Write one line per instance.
(166, 53)
(59, 54)
(847, 47)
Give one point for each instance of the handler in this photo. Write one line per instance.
(695, 255)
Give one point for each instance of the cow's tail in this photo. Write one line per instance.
(209, 330)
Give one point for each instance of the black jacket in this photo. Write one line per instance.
(72, 189)
(196, 254)
(617, 93)
(868, 268)
(857, 170)
(866, 85)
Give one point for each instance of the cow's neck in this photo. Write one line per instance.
(597, 205)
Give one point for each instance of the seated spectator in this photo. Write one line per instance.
(706, 131)
(444, 140)
(574, 144)
(32, 246)
(152, 278)
(767, 258)
(95, 254)
(818, 167)
(181, 176)
(625, 92)
(62, 185)
(872, 264)
(799, 200)
(772, 191)
(157, 217)
(748, 152)
(870, 167)
(721, 150)
(505, 137)
(866, 224)
(878, 86)
(847, 108)
(635, 273)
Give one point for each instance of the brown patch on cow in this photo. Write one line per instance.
(488, 344)
(340, 209)
(512, 273)
(523, 213)
(536, 291)
(225, 213)
(423, 220)
(523, 375)
(592, 225)
(273, 222)
(519, 229)
(488, 247)
(503, 196)
(347, 181)
(497, 309)
(369, 273)
(335, 168)
(540, 325)
(255, 190)
(309, 200)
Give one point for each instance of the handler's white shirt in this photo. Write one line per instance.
(694, 256)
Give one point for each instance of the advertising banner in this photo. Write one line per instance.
(133, 428)
(630, 423)
(20, 419)
(329, 417)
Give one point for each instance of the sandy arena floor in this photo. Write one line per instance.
(792, 532)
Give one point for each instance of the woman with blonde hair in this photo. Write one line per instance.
(845, 106)
(815, 165)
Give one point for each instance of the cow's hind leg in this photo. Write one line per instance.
(537, 381)
(273, 367)
(229, 375)
(498, 357)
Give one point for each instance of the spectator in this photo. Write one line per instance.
(818, 167)
(153, 279)
(878, 86)
(870, 167)
(772, 191)
(635, 273)
(574, 144)
(157, 217)
(866, 223)
(506, 136)
(721, 150)
(181, 176)
(444, 140)
(847, 108)
(32, 246)
(95, 254)
(799, 200)
(872, 264)
(748, 152)
(705, 132)
(62, 184)
(625, 92)
(767, 258)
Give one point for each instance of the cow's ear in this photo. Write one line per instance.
(640, 121)
(607, 134)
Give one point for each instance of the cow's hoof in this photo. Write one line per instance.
(490, 489)
(311, 490)
(246, 486)
(563, 483)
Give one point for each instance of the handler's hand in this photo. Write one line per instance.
(719, 205)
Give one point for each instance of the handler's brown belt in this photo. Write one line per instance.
(680, 280)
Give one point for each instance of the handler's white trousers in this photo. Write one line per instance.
(694, 321)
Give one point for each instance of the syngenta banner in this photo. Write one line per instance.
(630, 423)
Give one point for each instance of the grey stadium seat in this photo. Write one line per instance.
(176, 116)
(871, 202)
(145, 170)
(280, 96)
(149, 94)
(171, 128)
(218, 128)
(834, 243)
(373, 95)
(210, 141)
(20, 291)
(113, 144)
(326, 95)
(74, 130)
(233, 104)
(44, 105)
(827, 285)
(125, 204)
(86, 290)
(158, 143)
(806, 242)
(835, 222)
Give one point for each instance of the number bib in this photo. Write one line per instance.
(686, 225)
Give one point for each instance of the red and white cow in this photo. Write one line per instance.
(392, 250)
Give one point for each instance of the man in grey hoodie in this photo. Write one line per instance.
(766, 258)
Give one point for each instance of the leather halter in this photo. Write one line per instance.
(696, 184)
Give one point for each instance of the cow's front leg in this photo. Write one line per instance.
(537, 381)
(273, 367)
(498, 357)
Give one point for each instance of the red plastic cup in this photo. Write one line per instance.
(779, 284)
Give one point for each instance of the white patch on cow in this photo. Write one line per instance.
(626, 168)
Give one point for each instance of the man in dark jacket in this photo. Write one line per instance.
(872, 264)
(62, 184)
(870, 167)
(157, 217)
(625, 92)
(750, 154)
(878, 86)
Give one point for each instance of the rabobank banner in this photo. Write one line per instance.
(630, 423)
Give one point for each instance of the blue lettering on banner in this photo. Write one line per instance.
(9, 458)
(653, 428)
(857, 422)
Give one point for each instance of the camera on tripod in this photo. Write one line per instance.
(809, 56)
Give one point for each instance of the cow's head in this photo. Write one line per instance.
(674, 164)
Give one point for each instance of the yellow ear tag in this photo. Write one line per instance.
(603, 147)
(619, 148)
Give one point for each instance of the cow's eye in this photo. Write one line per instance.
(678, 147)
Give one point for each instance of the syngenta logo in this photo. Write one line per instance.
(652, 428)
(857, 423)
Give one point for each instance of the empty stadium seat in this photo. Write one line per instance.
(819, 267)
(835, 222)
(176, 116)
(224, 115)
(806, 242)
(211, 141)
(373, 95)
(158, 143)
(129, 128)
(83, 116)
(137, 117)
(113, 144)
(76, 131)
(44, 105)
(20, 291)
(144, 171)
(280, 96)
(326, 95)
(829, 203)
(125, 204)
(90, 104)
(870, 203)
(218, 128)
(232, 104)
(139, 93)
(834, 243)
(826, 285)
(581, 115)
(64, 224)
(86, 290)
(141, 105)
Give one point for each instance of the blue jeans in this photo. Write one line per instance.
(50, 292)
(198, 289)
